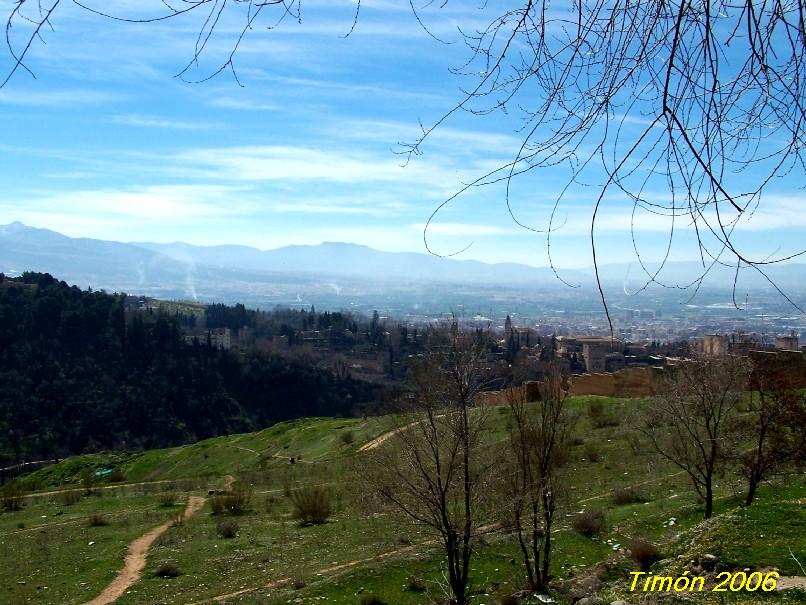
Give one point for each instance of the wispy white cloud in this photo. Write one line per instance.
(166, 203)
(465, 229)
(155, 122)
(69, 174)
(292, 164)
(457, 140)
(247, 104)
(57, 98)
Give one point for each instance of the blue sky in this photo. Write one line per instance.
(106, 143)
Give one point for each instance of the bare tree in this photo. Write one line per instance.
(685, 110)
(432, 469)
(687, 423)
(538, 438)
(776, 428)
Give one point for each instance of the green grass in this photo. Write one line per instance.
(308, 439)
(271, 546)
(49, 552)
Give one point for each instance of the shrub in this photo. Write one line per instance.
(589, 522)
(591, 454)
(627, 495)
(12, 497)
(643, 552)
(89, 483)
(116, 476)
(271, 504)
(347, 437)
(510, 599)
(167, 569)
(234, 502)
(600, 418)
(372, 599)
(312, 505)
(69, 497)
(575, 441)
(97, 520)
(228, 529)
(415, 584)
(168, 498)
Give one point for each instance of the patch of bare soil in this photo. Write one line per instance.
(789, 582)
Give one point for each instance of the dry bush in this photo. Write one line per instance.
(643, 552)
(312, 505)
(97, 520)
(69, 497)
(601, 418)
(12, 497)
(234, 502)
(167, 569)
(627, 495)
(90, 484)
(228, 529)
(168, 497)
(590, 522)
(416, 584)
(116, 476)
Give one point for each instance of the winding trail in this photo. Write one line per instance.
(56, 492)
(328, 570)
(135, 560)
(378, 441)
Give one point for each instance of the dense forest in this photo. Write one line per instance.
(79, 372)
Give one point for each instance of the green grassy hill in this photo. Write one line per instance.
(65, 545)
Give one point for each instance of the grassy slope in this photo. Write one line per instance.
(270, 546)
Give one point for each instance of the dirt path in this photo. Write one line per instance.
(378, 441)
(296, 460)
(135, 560)
(246, 449)
(639, 484)
(45, 526)
(790, 582)
(327, 570)
(81, 489)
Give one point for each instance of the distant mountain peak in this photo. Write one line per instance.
(343, 245)
(14, 227)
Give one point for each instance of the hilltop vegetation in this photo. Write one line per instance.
(78, 373)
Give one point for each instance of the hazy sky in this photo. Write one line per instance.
(107, 143)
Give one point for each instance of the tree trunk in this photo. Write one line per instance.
(752, 484)
(709, 499)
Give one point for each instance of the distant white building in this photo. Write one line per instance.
(715, 344)
(219, 338)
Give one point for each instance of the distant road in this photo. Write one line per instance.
(14, 467)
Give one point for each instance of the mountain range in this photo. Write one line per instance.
(298, 273)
